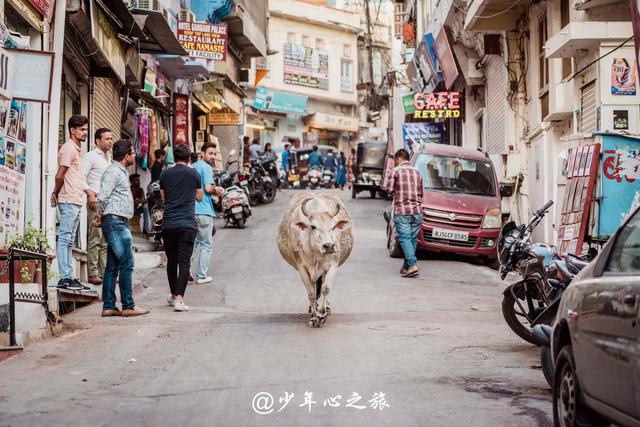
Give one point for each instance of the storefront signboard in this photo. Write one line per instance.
(32, 72)
(45, 7)
(203, 40)
(334, 122)
(415, 134)
(306, 66)
(407, 103)
(180, 119)
(445, 59)
(620, 185)
(415, 77)
(280, 102)
(107, 39)
(424, 63)
(223, 118)
(437, 105)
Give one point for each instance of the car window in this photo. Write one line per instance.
(625, 254)
(456, 175)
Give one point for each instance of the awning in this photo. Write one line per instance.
(158, 36)
(177, 67)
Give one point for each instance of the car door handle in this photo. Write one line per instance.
(630, 299)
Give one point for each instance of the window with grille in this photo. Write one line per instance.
(543, 68)
(397, 21)
(319, 44)
(291, 38)
(306, 41)
(588, 111)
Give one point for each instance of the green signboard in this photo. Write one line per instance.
(407, 103)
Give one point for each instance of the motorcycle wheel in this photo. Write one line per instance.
(546, 360)
(512, 317)
(269, 193)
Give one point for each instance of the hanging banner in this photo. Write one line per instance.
(415, 134)
(305, 66)
(624, 74)
(445, 58)
(45, 7)
(203, 40)
(180, 119)
(620, 180)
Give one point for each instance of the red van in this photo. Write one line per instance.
(461, 203)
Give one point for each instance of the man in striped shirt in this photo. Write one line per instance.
(407, 188)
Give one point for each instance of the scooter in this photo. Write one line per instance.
(328, 178)
(315, 177)
(234, 202)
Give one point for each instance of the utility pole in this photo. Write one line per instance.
(372, 102)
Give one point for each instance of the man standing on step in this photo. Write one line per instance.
(68, 196)
(205, 214)
(113, 212)
(95, 163)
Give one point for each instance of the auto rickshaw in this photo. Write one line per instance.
(370, 161)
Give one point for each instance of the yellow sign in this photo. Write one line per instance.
(334, 121)
(215, 118)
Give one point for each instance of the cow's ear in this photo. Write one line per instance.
(341, 225)
(301, 225)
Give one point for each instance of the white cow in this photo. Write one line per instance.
(315, 237)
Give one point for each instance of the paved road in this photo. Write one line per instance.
(436, 346)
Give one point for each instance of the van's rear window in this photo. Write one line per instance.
(456, 175)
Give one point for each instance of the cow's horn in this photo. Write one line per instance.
(304, 207)
(337, 211)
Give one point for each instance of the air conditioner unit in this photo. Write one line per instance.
(187, 16)
(146, 4)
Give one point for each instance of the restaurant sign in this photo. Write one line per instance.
(203, 40)
(437, 105)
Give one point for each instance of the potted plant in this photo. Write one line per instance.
(27, 271)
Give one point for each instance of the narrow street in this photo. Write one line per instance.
(436, 346)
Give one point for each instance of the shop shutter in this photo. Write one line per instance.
(496, 75)
(588, 115)
(228, 139)
(106, 106)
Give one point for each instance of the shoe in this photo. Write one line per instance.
(180, 306)
(62, 283)
(135, 311)
(82, 287)
(95, 280)
(73, 285)
(204, 280)
(190, 277)
(411, 272)
(171, 301)
(111, 313)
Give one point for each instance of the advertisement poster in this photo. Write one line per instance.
(620, 177)
(280, 102)
(415, 134)
(620, 119)
(203, 40)
(305, 66)
(181, 119)
(624, 73)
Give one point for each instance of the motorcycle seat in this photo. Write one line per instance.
(564, 269)
(575, 264)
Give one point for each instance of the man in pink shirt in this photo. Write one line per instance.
(68, 196)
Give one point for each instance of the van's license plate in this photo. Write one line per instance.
(441, 233)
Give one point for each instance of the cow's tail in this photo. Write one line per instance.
(319, 286)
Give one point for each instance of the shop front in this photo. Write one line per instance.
(332, 129)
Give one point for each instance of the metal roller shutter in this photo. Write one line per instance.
(497, 79)
(588, 114)
(106, 106)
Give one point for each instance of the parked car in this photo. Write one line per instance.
(596, 338)
(370, 160)
(461, 204)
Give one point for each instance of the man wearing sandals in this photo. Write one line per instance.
(407, 189)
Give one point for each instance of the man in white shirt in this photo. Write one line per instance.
(95, 163)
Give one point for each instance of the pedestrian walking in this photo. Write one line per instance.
(407, 188)
(95, 163)
(158, 164)
(180, 187)
(114, 209)
(205, 214)
(351, 166)
(68, 195)
(341, 174)
(286, 164)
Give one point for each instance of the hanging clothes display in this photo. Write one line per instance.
(143, 118)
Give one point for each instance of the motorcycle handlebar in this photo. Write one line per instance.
(545, 207)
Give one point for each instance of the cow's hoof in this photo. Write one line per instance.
(323, 320)
(314, 322)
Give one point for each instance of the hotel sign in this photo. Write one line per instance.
(437, 105)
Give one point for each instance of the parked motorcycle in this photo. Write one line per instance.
(234, 202)
(315, 177)
(264, 182)
(156, 211)
(269, 164)
(527, 298)
(328, 178)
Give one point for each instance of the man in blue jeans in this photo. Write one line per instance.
(68, 195)
(205, 214)
(113, 212)
(407, 188)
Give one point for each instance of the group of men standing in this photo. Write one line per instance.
(102, 177)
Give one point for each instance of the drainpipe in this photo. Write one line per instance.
(50, 165)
